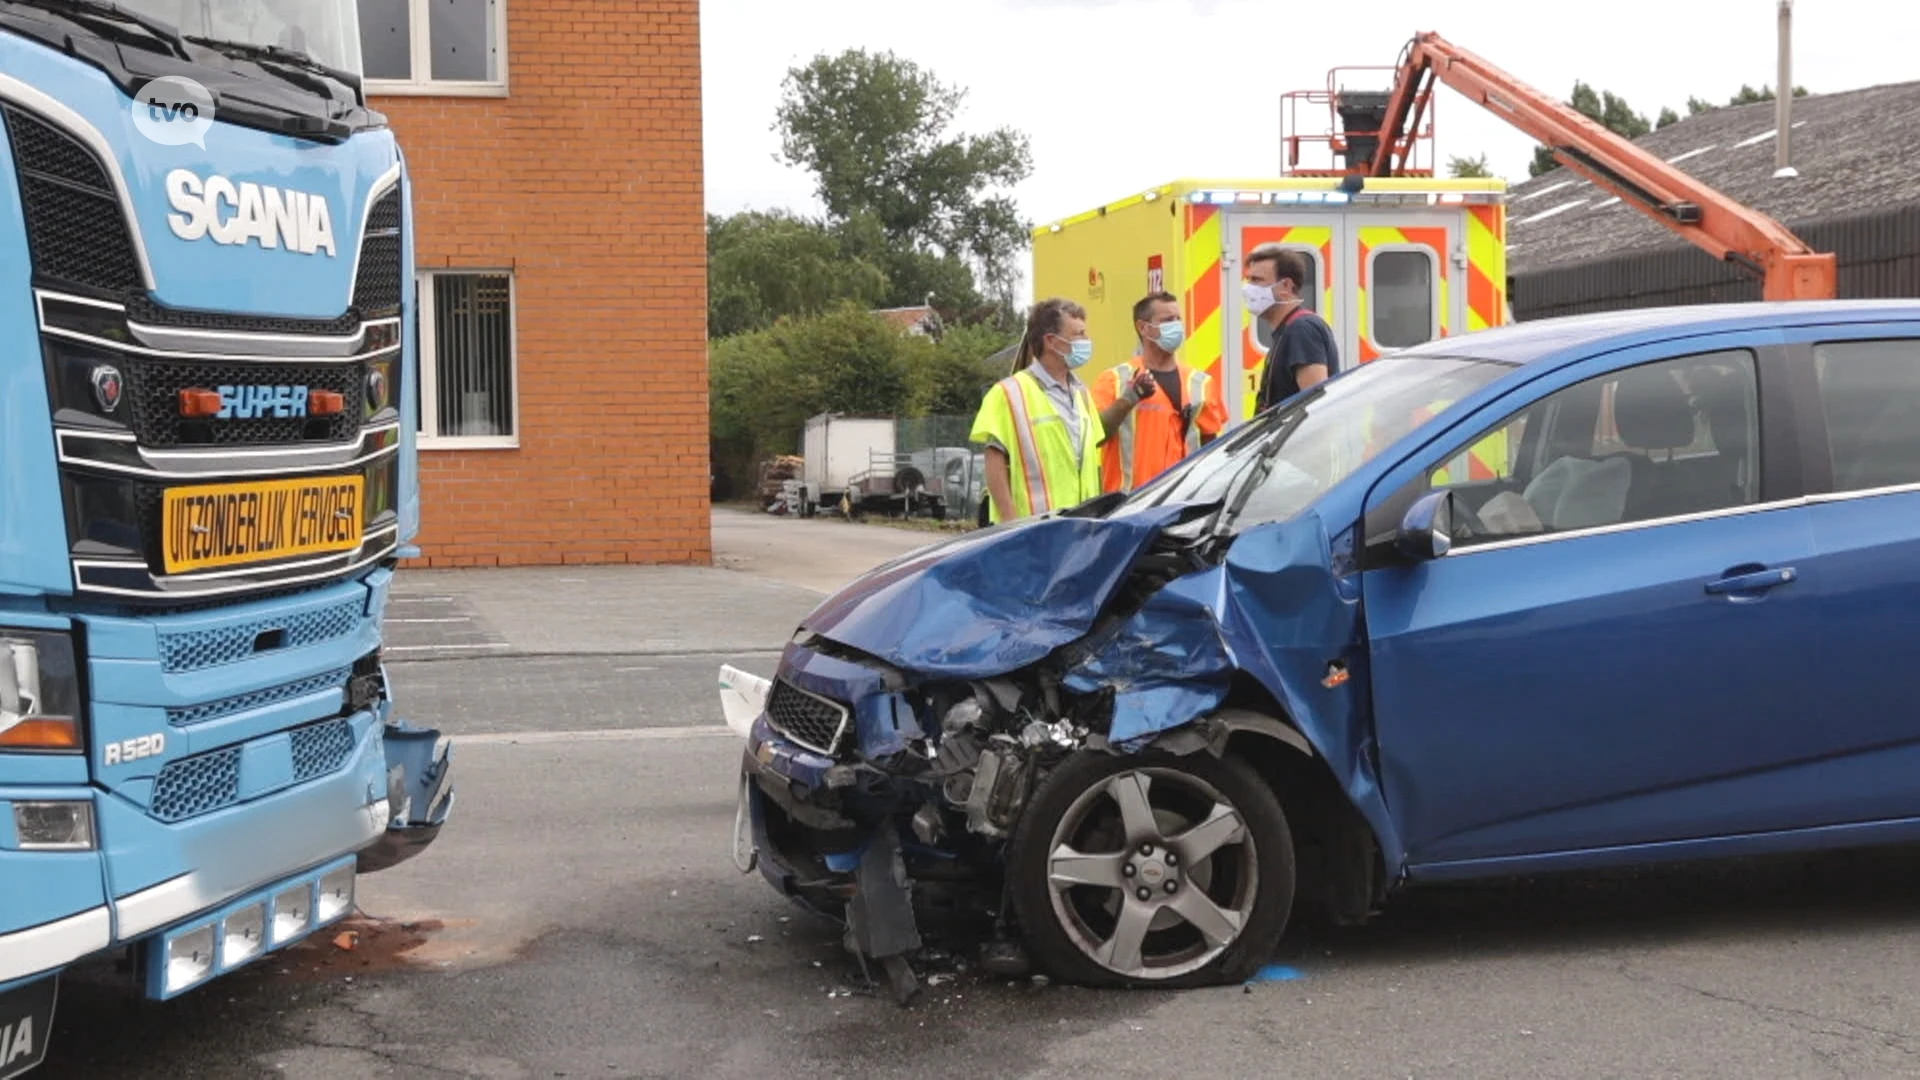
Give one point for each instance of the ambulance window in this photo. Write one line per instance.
(1264, 333)
(1402, 307)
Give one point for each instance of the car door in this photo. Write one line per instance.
(1614, 650)
(1861, 390)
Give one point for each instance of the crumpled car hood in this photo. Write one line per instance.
(990, 602)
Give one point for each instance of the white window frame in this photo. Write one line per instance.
(428, 436)
(423, 84)
(1433, 293)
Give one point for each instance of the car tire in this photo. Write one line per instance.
(1206, 840)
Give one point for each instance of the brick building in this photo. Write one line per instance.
(555, 151)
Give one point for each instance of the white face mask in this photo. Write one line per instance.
(1259, 298)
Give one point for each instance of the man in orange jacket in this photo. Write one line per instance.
(1156, 410)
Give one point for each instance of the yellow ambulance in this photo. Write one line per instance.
(1395, 262)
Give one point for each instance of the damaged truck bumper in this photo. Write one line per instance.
(419, 793)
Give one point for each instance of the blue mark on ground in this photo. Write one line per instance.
(1276, 973)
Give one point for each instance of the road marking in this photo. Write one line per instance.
(456, 645)
(526, 738)
(461, 618)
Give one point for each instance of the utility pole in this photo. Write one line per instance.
(1783, 98)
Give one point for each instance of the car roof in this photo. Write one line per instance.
(1527, 342)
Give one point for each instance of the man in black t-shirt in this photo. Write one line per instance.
(1304, 353)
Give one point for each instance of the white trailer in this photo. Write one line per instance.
(837, 449)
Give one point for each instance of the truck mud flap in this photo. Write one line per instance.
(419, 795)
(26, 1022)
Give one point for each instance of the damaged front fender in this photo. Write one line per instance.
(419, 791)
(1281, 609)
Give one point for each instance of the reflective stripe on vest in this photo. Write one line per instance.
(1123, 374)
(1039, 500)
(1197, 402)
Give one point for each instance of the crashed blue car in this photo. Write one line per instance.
(1561, 595)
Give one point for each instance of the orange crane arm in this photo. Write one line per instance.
(1788, 268)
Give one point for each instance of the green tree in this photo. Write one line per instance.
(763, 266)
(1667, 117)
(914, 275)
(1604, 107)
(1468, 167)
(763, 385)
(873, 128)
(1747, 96)
(953, 379)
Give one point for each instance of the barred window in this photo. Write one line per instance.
(467, 378)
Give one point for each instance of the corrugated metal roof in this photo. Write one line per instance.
(1854, 151)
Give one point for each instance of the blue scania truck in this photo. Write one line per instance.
(207, 383)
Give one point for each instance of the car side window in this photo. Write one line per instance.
(1660, 440)
(1870, 391)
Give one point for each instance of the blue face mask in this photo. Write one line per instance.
(1172, 335)
(1080, 352)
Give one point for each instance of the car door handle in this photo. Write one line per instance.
(1758, 581)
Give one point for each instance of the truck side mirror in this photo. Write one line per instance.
(1426, 532)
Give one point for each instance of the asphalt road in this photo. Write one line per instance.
(580, 919)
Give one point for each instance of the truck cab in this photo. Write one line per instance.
(207, 481)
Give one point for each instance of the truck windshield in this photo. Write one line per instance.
(1282, 461)
(327, 31)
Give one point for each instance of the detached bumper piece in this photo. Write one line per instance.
(419, 791)
(243, 931)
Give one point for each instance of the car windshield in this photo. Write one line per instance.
(327, 31)
(1279, 463)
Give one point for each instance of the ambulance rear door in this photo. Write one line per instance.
(1408, 283)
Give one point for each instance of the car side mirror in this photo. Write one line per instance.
(1427, 530)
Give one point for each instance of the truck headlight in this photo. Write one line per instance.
(39, 691)
(54, 826)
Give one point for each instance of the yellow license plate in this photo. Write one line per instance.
(231, 524)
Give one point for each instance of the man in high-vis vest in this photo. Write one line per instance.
(1156, 410)
(1039, 424)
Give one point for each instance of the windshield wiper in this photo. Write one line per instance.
(286, 61)
(1256, 471)
(105, 14)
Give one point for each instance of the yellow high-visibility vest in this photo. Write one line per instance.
(1047, 471)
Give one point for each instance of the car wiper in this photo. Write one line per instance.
(287, 61)
(1256, 471)
(103, 14)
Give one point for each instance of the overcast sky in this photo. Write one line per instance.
(1121, 95)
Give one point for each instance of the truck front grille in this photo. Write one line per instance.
(809, 720)
(185, 716)
(376, 289)
(155, 386)
(196, 650)
(197, 785)
(75, 227)
(202, 784)
(142, 310)
(320, 749)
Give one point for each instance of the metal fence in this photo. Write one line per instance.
(1878, 255)
(930, 432)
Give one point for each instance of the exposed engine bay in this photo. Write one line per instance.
(870, 784)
